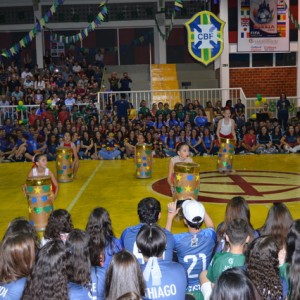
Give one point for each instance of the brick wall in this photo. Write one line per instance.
(266, 81)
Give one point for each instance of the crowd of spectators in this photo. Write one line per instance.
(234, 261)
(66, 96)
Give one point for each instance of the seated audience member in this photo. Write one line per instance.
(58, 227)
(249, 142)
(48, 279)
(101, 233)
(262, 265)
(124, 275)
(277, 224)
(234, 284)
(194, 248)
(164, 279)
(109, 148)
(78, 265)
(276, 137)
(292, 260)
(17, 256)
(264, 142)
(149, 212)
(237, 235)
(237, 208)
(290, 141)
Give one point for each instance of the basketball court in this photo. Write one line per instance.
(260, 179)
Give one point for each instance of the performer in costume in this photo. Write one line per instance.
(68, 143)
(40, 169)
(183, 155)
(226, 130)
(226, 126)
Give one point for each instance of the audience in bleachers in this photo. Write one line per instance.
(67, 96)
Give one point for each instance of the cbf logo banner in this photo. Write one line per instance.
(205, 36)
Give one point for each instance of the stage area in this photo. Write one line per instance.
(261, 179)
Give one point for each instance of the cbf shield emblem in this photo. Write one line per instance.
(205, 36)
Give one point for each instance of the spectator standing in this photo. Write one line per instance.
(123, 108)
(283, 105)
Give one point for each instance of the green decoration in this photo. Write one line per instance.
(38, 210)
(138, 165)
(148, 152)
(30, 189)
(60, 172)
(70, 175)
(179, 189)
(48, 209)
(46, 188)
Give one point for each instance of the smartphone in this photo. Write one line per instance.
(179, 203)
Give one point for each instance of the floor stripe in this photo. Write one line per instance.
(74, 201)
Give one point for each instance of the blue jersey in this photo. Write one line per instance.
(194, 252)
(128, 241)
(117, 247)
(173, 282)
(13, 290)
(98, 283)
(79, 292)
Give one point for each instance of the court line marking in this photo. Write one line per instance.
(76, 198)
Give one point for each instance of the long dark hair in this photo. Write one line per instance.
(21, 226)
(101, 234)
(48, 279)
(123, 275)
(237, 208)
(17, 255)
(293, 260)
(78, 257)
(277, 223)
(234, 284)
(59, 222)
(263, 267)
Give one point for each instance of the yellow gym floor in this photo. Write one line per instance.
(261, 179)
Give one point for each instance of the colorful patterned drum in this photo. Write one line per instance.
(225, 156)
(38, 191)
(186, 180)
(64, 164)
(143, 160)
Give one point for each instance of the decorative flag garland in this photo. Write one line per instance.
(85, 32)
(177, 7)
(39, 25)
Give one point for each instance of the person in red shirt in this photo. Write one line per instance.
(249, 142)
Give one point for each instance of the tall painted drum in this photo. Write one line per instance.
(38, 192)
(186, 180)
(143, 160)
(64, 164)
(225, 156)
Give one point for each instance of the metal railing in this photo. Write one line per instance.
(202, 95)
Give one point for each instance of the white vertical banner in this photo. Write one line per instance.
(263, 26)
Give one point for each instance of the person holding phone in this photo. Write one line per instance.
(195, 247)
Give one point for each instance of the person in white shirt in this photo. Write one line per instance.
(69, 101)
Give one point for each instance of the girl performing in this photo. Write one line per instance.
(40, 169)
(183, 156)
(68, 143)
